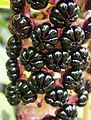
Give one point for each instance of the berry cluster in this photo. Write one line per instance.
(56, 47)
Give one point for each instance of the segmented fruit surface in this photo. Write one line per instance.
(44, 37)
(20, 26)
(13, 71)
(32, 59)
(82, 99)
(17, 6)
(12, 96)
(79, 58)
(72, 79)
(57, 60)
(71, 38)
(41, 82)
(47, 43)
(68, 112)
(27, 95)
(64, 13)
(14, 46)
(57, 97)
(39, 4)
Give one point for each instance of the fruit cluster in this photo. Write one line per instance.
(56, 47)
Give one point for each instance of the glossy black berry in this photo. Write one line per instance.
(68, 112)
(44, 37)
(80, 90)
(71, 38)
(31, 59)
(38, 4)
(13, 48)
(72, 79)
(20, 26)
(17, 6)
(41, 82)
(27, 95)
(12, 97)
(64, 13)
(13, 71)
(88, 85)
(21, 87)
(82, 99)
(57, 60)
(49, 117)
(87, 29)
(79, 58)
(57, 97)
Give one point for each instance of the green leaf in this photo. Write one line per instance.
(5, 4)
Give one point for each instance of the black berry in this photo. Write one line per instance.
(79, 58)
(12, 96)
(31, 59)
(57, 59)
(13, 71)
(17, 6)
(20, 26)
(72, 79)
(13, 48)
(44, 37)
(57, 97)
(39, 4)
(82, 99)
(71, 38)
(41, 82)
(27, 95)
(68, 112)
(64, 13)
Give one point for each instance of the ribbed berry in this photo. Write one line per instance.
(57, 59)
(82, 99)
(49, 117)
(87, 29)
(44, 37)
(31, 59)
(13, 48)
(13, 71)
(72, 79)
(88, 85)
(39, 4)
(12, 97)
(27, 95)
(68, 112)
(17, 6)
(79, 58)
(64, 13)
(20, 26)
(71, 38)
(41, 82)
(57, 97)
(80, 90)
